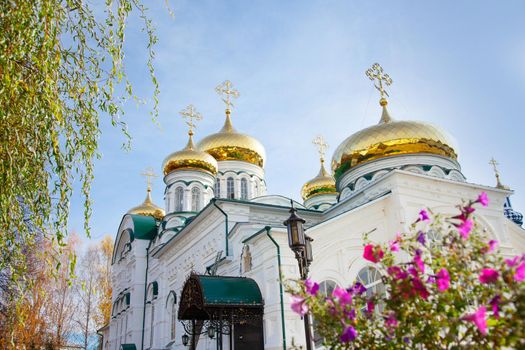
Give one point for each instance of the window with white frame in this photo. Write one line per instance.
(171, 306)
(218, 188)
(230, 189)
(325, 288)
(195, 199)
(244, 188)
(179, 198)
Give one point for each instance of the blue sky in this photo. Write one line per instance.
(299, 66)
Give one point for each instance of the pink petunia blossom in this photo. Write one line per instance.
(311, 287)
(373, 253)
(488, 276)
(349, 334)
(519, 275)
(423, 215)
(512, 262)
(342, 295)
(299, 305)
(370, 306)
(478, 318)
(397, 272)
(391, 322)
(394, 245)
(493, 244)
(442, 280)
(494, 302)
(483, 199)
(465, 227)
(420, 288)
(419, 262)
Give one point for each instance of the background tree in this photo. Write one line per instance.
(61, 68)
(103, 313)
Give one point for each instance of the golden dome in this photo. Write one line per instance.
(190, 158)
(228, 144)
(148, 208)
(391, 138)
(323, 183)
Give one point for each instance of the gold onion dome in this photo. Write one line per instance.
(390, 137)
(148, 208)
(228, 144)
(323, 183)
(190, 158)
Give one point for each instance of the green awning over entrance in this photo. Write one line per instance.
(206, 297)
(128, 347)
(221, 290)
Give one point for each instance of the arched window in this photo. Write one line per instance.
(244, 188)
(179, 198)
(256, 190)
(195, 199)
(325, 288)
(230, 194)
(171, 306)
(370, 277)
(218, 188)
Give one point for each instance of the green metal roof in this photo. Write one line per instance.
(128, 347)
(222, 290)
(144, 227)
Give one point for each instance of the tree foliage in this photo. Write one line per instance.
(61, 68)
(447, 287)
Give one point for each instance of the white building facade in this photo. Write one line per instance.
(221, 227)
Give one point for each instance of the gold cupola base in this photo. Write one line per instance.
(148, 208)
(190, 158)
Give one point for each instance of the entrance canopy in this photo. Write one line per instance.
(220, 297)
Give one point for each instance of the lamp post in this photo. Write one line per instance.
(302, 247)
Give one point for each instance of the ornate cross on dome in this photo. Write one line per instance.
(321, 146)
(495, 164)
(191, 114)
(149, 175)
(376, 73)
(226, 91)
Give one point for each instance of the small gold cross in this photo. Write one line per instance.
(191, 114)
(226, 91)
(321, 146)
(149, 175)
(375, 73)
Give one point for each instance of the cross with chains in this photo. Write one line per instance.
(226, 91)
(149, 175)
(321, 146)
(376, 73)
(191, 114)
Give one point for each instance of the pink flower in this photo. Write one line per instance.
(373, 253)
(299, 305)
(493, 244)
(483, 199)
(442, 280)
(342, 295)
(397, 272)
(494, 302)
(394, 245)
(420, 288)
(478, 318)
(488, 276)
(311, 287)
(370, 306)
(520, 272)
(465, 227)
(419, 262)
(423, 215)
(349, 334)
(512, 262)
(391, 322)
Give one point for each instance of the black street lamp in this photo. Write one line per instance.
(302, 247)
(185, 339)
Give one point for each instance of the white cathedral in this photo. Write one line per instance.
(206, 271)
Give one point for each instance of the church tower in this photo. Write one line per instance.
(240, 157)
(189, 175)
(320, 193)
(413, 146)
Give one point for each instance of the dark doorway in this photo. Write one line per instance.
(248, 335)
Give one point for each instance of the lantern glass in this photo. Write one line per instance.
(185, 339)
(211, 332)
(309, 253)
